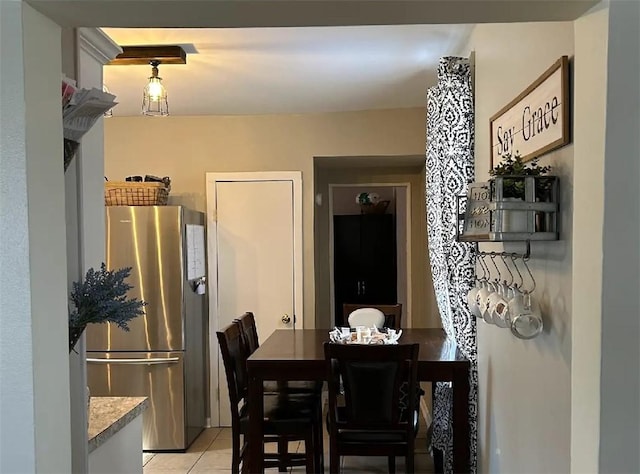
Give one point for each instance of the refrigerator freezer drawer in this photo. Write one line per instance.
(156, 375)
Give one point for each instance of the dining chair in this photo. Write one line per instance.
(392, 312)
(249, 333)
(287, 417)
(370, 420)
(247, 323)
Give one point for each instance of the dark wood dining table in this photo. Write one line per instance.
(298, 354)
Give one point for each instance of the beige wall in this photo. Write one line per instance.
(590, 71)
(34, 359)
(620, 340)
(423, 308)
(185, 148)
(525, 386)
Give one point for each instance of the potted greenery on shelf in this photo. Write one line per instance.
(102, 298)
(514, 170)
(509, 180)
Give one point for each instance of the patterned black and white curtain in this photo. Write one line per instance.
(450, 168)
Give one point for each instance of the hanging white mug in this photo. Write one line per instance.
(484, 303)
(499, 306)
(471, 299)
(516, 303)
(527, 324)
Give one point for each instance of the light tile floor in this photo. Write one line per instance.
(211, 453)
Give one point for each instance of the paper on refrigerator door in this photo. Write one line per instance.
(195, 251)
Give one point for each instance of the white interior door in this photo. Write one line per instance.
(255, 258)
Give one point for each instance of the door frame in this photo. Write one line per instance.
(212, 263)
(407, 316)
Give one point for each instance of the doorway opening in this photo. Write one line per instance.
(369, 255)
(337, 181)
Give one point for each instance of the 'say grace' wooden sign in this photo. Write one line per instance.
(535, 122)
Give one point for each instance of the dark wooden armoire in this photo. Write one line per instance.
(365, 268)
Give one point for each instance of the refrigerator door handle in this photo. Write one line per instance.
(161, 360)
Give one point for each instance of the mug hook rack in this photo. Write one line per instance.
(525, 256)
(493, 261)
(524, 318)
(513, 261)
(504, 262)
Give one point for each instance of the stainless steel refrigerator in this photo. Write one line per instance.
(163, 355)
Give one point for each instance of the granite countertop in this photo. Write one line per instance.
(108, 415)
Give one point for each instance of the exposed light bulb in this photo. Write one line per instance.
(154, 98)
(155, 89)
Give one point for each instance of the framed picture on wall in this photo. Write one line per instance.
(537, 120)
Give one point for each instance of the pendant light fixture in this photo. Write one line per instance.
(154, 97)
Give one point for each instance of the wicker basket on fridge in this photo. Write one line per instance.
(131, 193)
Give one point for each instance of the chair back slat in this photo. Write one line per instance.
(249, 330)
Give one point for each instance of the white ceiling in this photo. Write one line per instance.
(289, 69)
(268, 13)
